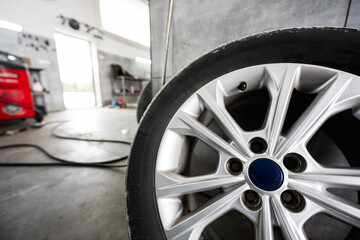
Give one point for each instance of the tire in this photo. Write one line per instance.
(144, 101)
(323, 48)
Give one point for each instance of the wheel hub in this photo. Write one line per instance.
(266, 174)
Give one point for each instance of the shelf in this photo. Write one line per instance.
(131, 79)
(126, 94)
(36, 69)
(128, 83)
(39, 93)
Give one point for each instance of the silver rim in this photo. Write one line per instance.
(336, 91)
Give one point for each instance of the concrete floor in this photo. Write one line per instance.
(65, 202)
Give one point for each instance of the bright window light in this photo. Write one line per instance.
(143, 60)
(76, 72)
(126, 18)
(11, 26)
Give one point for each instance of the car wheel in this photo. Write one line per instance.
(255, 140)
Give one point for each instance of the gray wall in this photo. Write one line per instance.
(199, 26)
(136, 69)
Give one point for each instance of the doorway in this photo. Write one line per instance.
(76, 71)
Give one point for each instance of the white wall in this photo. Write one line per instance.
(40, 17)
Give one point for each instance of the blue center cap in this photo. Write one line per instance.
(266, 174)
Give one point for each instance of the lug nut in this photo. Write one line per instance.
(287, 197)
(294, 162)
(293, 200)
(234, 166)
(252, 199)
(242, 86)
(258, 145)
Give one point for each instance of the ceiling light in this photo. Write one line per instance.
(11, 26)
(143, 60)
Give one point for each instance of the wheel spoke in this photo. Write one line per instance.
(192, 225)
(323, 107)
(312, 166)
(280, 102)
(177, 185)
(217, 108)
(332, 178)
(265, 228)
(206, 135)
(333, 205)
(287, 224)
(252, 216)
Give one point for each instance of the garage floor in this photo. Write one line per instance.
(67, 202)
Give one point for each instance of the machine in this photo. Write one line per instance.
(16, 101)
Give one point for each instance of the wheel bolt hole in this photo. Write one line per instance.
(293, 200)
(252, 199)
(294, 162)
(234, 166)
(242, 86)
(258, 145)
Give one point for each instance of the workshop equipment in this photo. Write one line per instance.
(16, 101)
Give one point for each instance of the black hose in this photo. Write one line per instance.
(21, 164)
(66, 163)
(82, 139)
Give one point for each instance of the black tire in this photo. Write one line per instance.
(144, 101)
(328, 47)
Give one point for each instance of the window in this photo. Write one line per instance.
(126, 18)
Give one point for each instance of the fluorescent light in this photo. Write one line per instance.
(11, 26)
(143, 60)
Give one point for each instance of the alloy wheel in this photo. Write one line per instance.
(266, 173)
